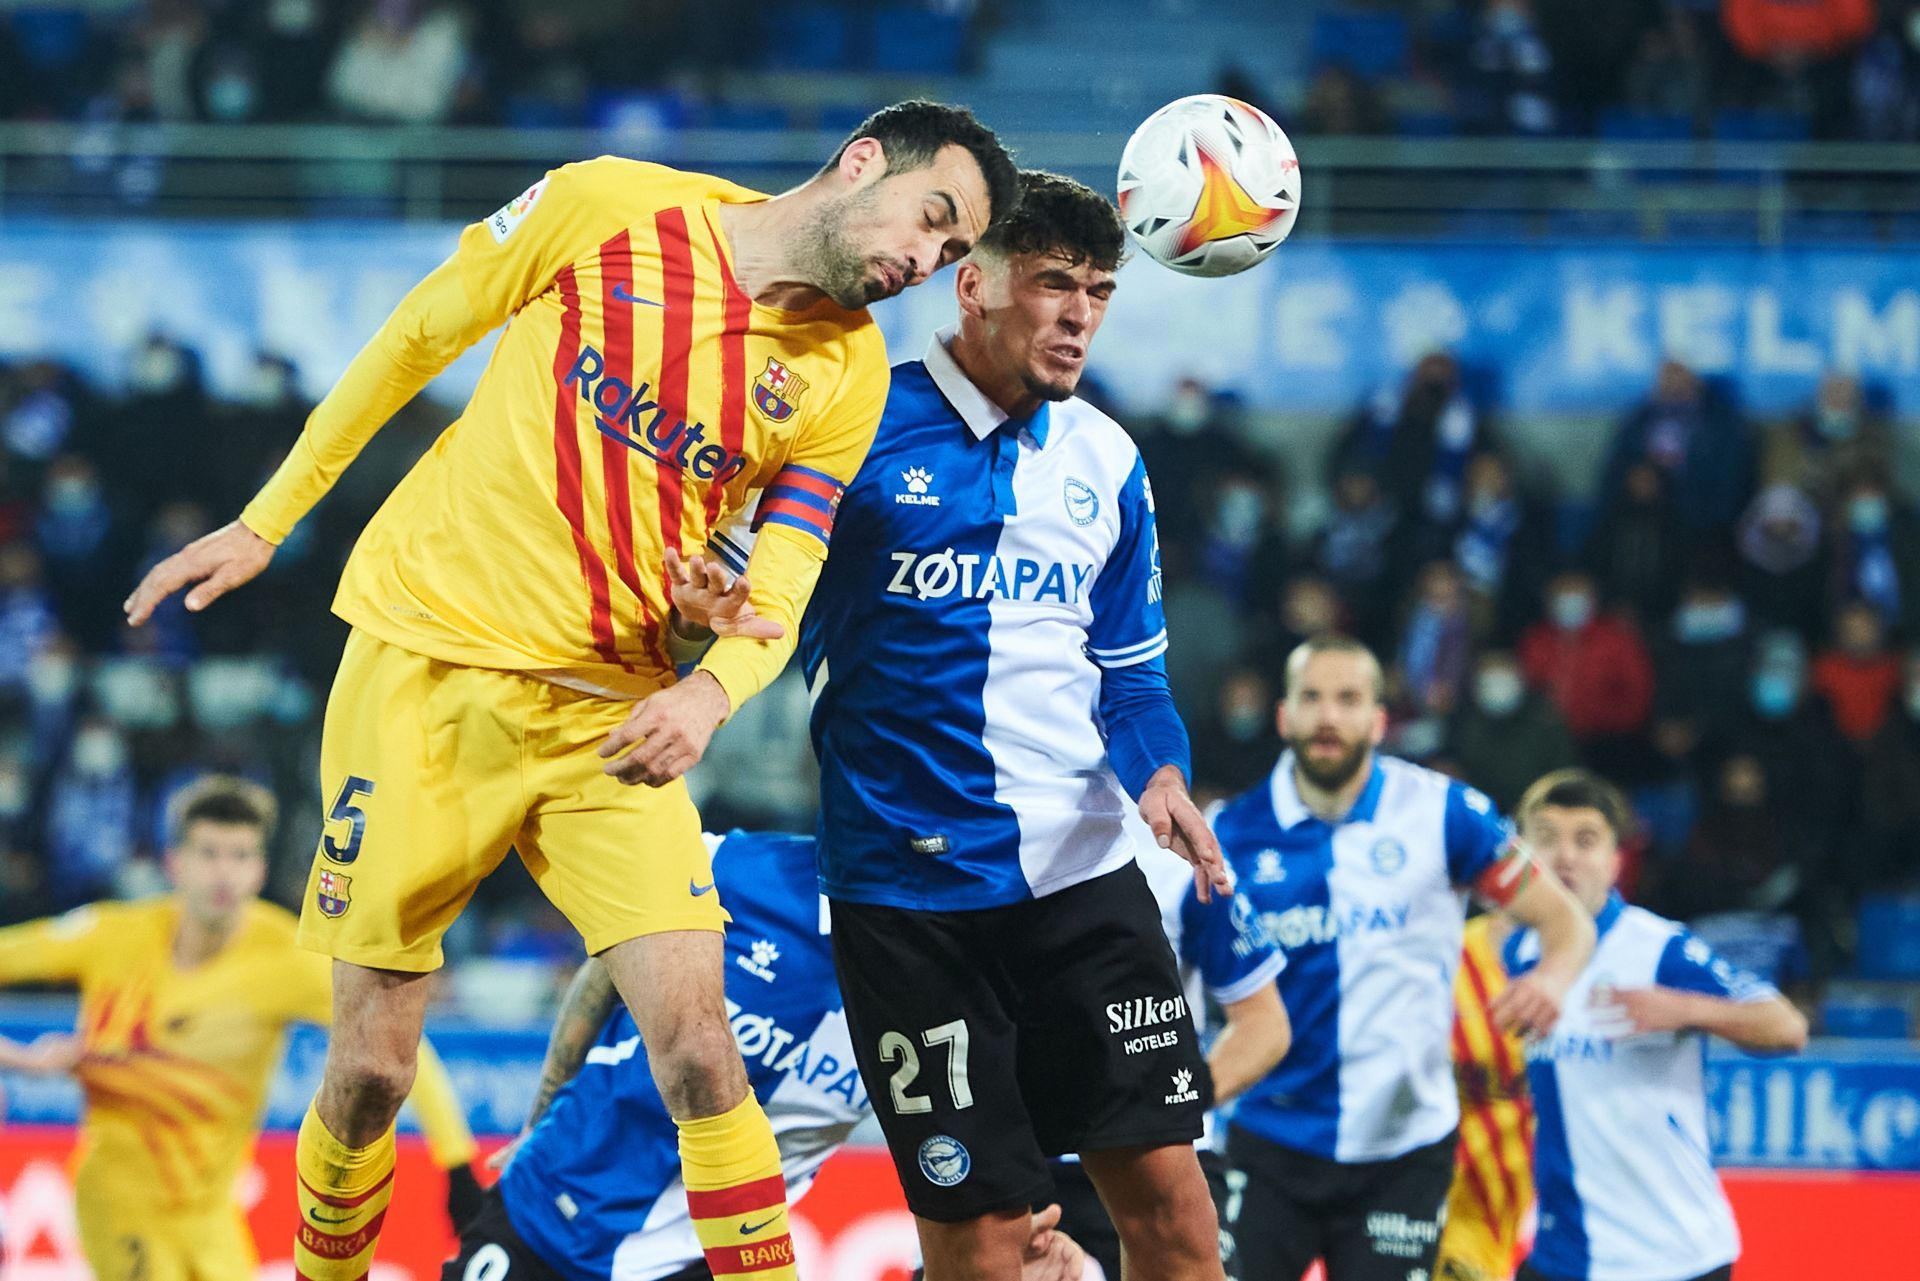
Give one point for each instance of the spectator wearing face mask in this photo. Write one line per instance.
(1858, 676)
(1419, 443)
(1237, 743)
(1780, 572)
(1788, 727)
(77, 537)
(92, 814)
(1505, 735)
(27, 620)
(1503, 545)
(1243, 551)
(1701, 665)
(1435, 643)
(1748, 851)
(1702, 451)
(1835, 437)
(1355, 551)
(1876, 553)
(52, 692)
(1188, 451)
(1597, 671)
(1636, 550)
(1885, 854)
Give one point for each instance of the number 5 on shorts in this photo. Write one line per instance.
(345, 811)
(895, 1045)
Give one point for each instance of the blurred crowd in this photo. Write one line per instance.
(1765, 70)
(1720, 625)
(462, 62)
(1771, 70)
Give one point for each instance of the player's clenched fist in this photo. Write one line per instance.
(218, 562)
(667, 733)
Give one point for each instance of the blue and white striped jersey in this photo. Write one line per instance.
(595, 1189)
(1369, 912)
(984, 573)
(1626, 1185)
(1223, 952)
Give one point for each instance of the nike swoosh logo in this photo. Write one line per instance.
(747, 1231)
(620, 292)
(314, 1214)
(698, 890)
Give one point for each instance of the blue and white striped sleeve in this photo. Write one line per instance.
(1689, 964)
(1129, 619)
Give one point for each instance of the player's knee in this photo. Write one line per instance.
(369, 1084)
(697, 1069)
(1180, 1225)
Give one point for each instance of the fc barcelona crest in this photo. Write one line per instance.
(334, 893)
(777, 391)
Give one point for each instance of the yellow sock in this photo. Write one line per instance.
(736, 1196)
(343, 1201)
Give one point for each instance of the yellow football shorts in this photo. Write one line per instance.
(432, 771)
(124, 1242)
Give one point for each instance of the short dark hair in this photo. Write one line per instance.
(1057, 215)
(1578, 789)
(221, 798)
(1334, 643)
(911, 134)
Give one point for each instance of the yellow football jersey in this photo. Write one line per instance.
(177, 1062)
(1493, 1171)
(635, 399)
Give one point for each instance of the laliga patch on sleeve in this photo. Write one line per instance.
(509, 215)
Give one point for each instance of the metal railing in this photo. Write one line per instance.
(1771, 193)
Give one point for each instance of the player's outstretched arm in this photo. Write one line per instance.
(217, 563)
(1769, 1024)
(1534, 896)
(590, 998)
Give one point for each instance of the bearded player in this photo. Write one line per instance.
(184, 1003)
(676, 341)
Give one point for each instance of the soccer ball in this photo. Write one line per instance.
(1209, 185)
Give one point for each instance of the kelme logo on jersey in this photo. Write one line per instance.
(760, 959)
(972, 576)
(634, 418)
(1183, 1091)
(945, 1160)
(334, 894)
(777, 391)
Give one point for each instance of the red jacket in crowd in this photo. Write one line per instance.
(1860, 691)
(1599, 675)
(1767, 29)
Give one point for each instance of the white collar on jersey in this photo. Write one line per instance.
(1291, 811)
(981, 415)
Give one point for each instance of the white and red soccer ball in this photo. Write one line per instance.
(1209, 185)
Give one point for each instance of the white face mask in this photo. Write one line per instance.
(1572, 610)
(1499, 691)
(51, 678)
(98, 753)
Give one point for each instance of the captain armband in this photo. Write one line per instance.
(1511, 871)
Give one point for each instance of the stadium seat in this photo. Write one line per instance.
(1620, 124)
(1370, 44)
(1864, 1015)
(1760, 126)
(50, 39)
(1425, 124)
(757, 116)
(810, 37)
(917, 41)
(642, 114)
(1889, 931)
